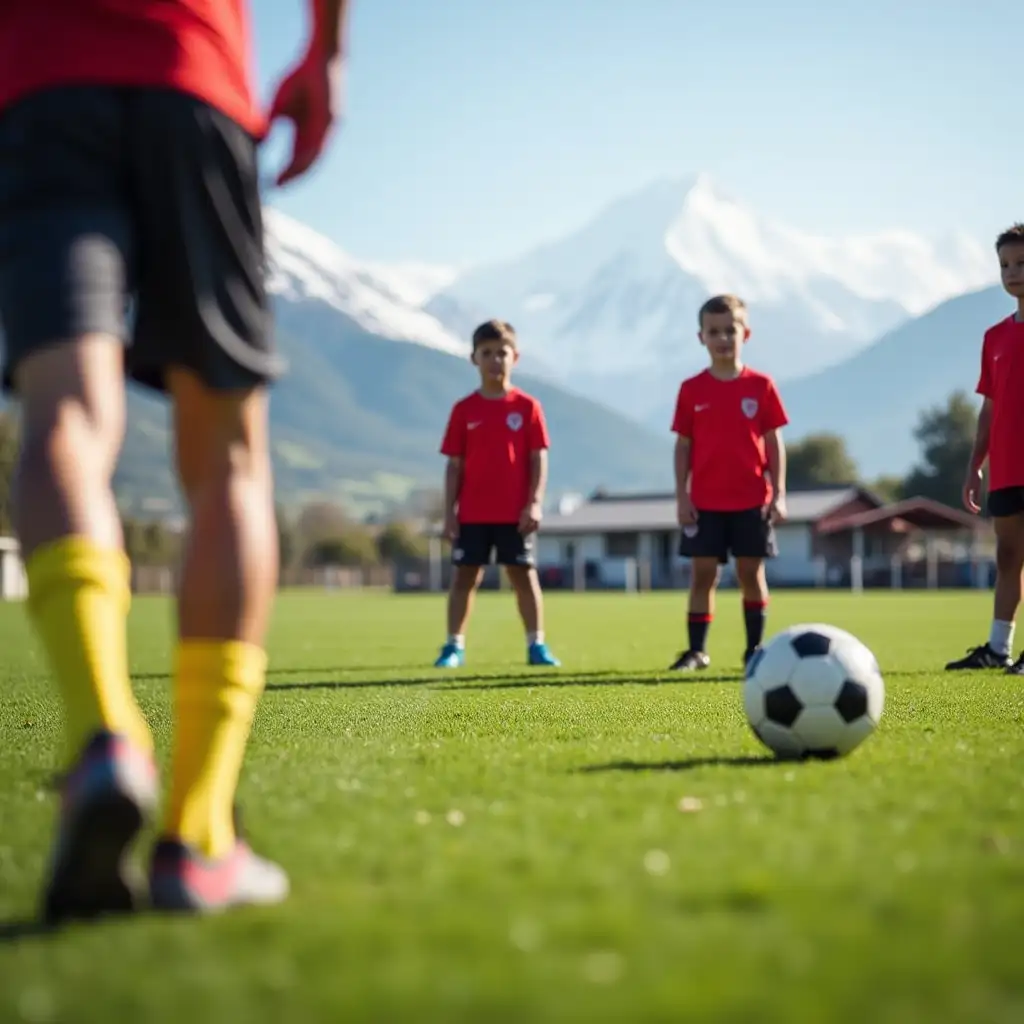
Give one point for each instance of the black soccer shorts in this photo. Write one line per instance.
(744, 534)
(484, 543)
(136, 213)
(1005, 501)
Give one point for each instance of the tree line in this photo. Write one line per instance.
(323, 534)
(944, 434)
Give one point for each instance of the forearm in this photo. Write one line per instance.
(538, 477)
(682, 466)
(452, 485)
(979, 450)
(775, 449)
(330, 20)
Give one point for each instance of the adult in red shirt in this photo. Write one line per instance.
(131, 240)
(730, 476)
(999, 440)
(496, 442)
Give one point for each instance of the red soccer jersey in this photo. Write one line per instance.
(199, 47)
(1002, 381)
(495, 438)
(726, 421)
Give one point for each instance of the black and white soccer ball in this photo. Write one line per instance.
(813, 691)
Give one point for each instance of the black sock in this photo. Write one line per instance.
(697, 623)
(754, 614)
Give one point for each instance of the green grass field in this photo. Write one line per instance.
(505, 844)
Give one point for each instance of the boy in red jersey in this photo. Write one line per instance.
(497, 447)
(1000, 440)
(730, 468)
(129, 179)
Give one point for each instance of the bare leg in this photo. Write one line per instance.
(460, 597)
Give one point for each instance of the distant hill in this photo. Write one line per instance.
(875, 398)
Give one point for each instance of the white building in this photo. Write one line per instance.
(828, 530)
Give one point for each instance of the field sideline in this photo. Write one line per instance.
(507, 844)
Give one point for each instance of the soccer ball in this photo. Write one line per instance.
(813, 691)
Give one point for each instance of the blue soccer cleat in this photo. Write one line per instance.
(451, 656)
(538, 654)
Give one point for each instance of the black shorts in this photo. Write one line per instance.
(136, 213)
(745, 534)
(482, 543)
(1006, 501)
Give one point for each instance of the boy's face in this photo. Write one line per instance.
(495, 360)
(723, 335)
(1011, 265)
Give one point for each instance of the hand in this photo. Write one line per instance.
(530, 518)
(685, 512)
(777, 509)
(972, 490)
(451, 527)
(311, 96)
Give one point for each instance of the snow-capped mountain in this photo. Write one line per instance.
(304, 267)
(611, 308)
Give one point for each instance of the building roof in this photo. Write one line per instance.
(910, 514)
(639, 513)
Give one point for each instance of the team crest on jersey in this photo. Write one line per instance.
(749, 407)
(514, 421)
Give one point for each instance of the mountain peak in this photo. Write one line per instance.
(304, 266)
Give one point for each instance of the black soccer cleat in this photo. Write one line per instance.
(748, 656)
(981, 658)
(1017, 668)
(690, 661)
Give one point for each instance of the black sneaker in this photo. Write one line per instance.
(981, 657)
(1017, 668)
(690, 661)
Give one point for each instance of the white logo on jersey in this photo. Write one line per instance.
(514, 421)
(702, 407)
(749, 407)
(473, 425)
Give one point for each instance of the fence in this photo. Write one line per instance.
(629, 575)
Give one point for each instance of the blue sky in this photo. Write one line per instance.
(477, 128)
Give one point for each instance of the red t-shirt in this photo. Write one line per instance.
(726, 421)
(199, 47)
(495, 438)
(1002, 381)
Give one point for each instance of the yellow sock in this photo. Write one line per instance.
(217, 687)
(78, 598)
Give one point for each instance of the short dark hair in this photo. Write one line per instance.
(722, 304)
(1013, 235)
(494, 330)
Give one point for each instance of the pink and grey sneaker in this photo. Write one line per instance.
(182, 879)
(106, 799)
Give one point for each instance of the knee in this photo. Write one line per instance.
(65, 436)
(521, 577)
(72, 408)
(466, 579)
(222, 441)
(704, 577)
(1010, 556)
